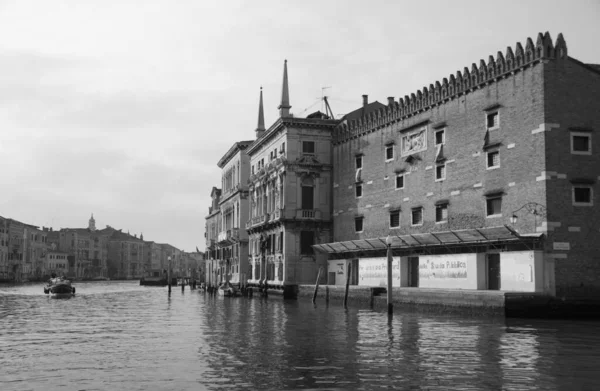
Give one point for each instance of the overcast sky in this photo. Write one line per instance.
(123, 108)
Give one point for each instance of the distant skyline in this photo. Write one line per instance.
(123, 108)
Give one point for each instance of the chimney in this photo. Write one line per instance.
(390, 100)
(365, 100)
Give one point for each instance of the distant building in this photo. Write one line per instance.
(56, 262)
(5, 267)
(212, 253)
(154, 264)
(232, 239)
(125, 256)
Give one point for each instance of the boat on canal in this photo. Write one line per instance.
(59, 285)
(227, 290)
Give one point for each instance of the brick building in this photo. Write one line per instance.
(485, 180)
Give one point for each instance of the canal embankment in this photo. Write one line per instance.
(473, 302)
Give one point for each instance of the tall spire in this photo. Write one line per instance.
(260, 128)
(92, 223)
(284, 107)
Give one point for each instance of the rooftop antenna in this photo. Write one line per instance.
(327, 108)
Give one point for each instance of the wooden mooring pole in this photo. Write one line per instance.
(347, 285)
(317, 285)
(169, 275)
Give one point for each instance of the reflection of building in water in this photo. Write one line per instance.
(485, 180)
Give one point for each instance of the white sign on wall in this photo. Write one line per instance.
(373, 271)
(442, 268)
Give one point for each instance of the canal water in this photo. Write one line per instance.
(122, 336)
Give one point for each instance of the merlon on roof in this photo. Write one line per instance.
(503, 65)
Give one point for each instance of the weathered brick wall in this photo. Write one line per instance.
(467, 179)
(572, 99)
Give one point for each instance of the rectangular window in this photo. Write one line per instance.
(358, 161)
(440, 172)
(582, 195)
(307, 197)
(308, 147)
(358, 190)
(417, 216)
(493, 160)
(494, 206)
(441, 213)
(389, 152)
(395, 219)
(440, 137)
(493, 120)
(282, 149)
(400, 181)
(581, 143)
(358, 224)
(307, 239)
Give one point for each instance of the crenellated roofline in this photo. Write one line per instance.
(503, 66)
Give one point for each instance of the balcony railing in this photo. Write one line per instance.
(308, 214)
(257, 220)
(230, 235)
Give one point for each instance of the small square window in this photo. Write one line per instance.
(440, 137)
(358, 224)
(440, 172)
(583, 195)
(389, 152)
(400, 181)
(358, 190)
(441, 213)
(493, 120)
(581, 143)
(308, 147)
(395, 219)
(494, 206)
(493, 159)
(358, 161)
(417, 216)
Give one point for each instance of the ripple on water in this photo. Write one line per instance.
(119, 335)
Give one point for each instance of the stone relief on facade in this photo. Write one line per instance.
(415, 141)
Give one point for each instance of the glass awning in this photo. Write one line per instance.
(442, 238)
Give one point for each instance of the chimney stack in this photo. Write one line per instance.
(390, 100)
(365, 100)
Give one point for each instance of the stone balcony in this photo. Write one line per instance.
(308, 214)
(230, 235)
(257, 220)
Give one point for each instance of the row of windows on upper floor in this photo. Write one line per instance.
(581, 144)
(308, 148)
(582, 195)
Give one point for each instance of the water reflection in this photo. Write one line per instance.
(118, 335)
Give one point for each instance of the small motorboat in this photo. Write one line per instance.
(227, 290)
(59, 285)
